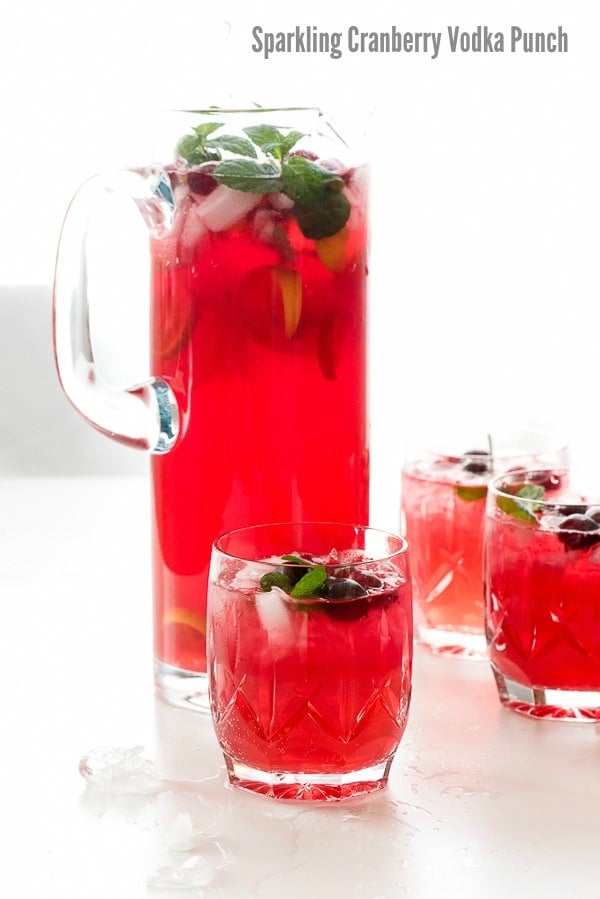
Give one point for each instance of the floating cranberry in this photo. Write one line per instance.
(367, 579)
(342, 588)
(346, 599)
(305, 154)
(549, 480)
(579, 531)
(571, 509)
(294, 572)
(476, 466)
(200, 179)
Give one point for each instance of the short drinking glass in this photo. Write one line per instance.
(309, 657)
(542, 595)
(443, 501)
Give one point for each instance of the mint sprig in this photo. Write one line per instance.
(320, 206)
(249, 175)
(193, 147)
(306, 182)
(310, 583)
(275, 579)
(272, 141)
(532, 494)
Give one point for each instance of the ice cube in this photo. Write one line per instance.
(120, 770)
(274, 614)
(247, 578)
(594, 556)
(194, 228)
(280, 201)
(263, 225)
(224, 206)
(181, 833)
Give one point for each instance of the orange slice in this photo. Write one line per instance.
(332, 250)
(291, 296)
(181, 615)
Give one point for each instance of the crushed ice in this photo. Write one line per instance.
(120, 770)
(197, 869)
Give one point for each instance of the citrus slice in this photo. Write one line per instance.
(181, 615)
(332, 250)
(291, 297)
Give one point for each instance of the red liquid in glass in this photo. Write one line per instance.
(542, 606)
(261, 334)
(445, 530)
(296, 690)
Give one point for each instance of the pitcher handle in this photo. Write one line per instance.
(145, 415)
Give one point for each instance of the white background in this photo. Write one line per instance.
(484, 266)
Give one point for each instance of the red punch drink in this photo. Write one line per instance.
(443, 506)
(258, 326)
(542, 588)
(310, 660)
(443, 503)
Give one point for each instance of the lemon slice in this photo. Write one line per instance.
(332, 250)
(291, 297)
(181, 615)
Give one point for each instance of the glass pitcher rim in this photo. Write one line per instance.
(220, 110)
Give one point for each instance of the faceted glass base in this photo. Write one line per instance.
(453, 643)
(306, 786)
(548, 702)
(186, 689)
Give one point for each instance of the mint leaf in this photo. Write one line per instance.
(267, 137)
(524, 511)
(205, 128)
(306, 182)
(320, 206)
(232, 144)
(470, 494)
(275, 579)
(272, 141)
(326, 219)
(532, 491)
(309, 584)
(296, 560)
(193, 150)
(193, 147)
(290, 140)
(248, 175)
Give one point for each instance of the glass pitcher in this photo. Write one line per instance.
(255, 409)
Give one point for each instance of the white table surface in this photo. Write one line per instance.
(481, 802)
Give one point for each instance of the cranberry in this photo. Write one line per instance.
(342, 588)
(305, 154)
(294, 572)
(579, 532)
(366, 579)
(549, 480)
(200, 179)
(476, 466)
(571, 508)
(344, 602)
(594, 513)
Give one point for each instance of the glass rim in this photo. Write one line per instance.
(551, 441)
(356, 528)
(498, 484)
(250, 110)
